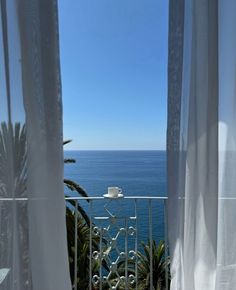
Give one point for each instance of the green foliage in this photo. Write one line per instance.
(69, 160)
(159, 262)
(13, 172)
(66, 142)
(13, 155)
(76, 216)
(75, 187)
(83, 249)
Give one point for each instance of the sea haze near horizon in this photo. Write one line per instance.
(138, 173)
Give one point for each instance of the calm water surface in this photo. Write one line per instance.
(138, 173)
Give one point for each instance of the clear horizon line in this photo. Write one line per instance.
(114, 150)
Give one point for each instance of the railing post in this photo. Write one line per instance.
(100, 257)
(150, 244)
(126, 247)
(76, 245)
(166, 247)
(136, 244)
(126, 255)
(90, 245)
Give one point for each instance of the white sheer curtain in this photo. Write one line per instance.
(202, 144)
(33, 246)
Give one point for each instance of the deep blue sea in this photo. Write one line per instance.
(138, 173)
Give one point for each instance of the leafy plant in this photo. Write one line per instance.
(75, 215)
(78, 220)
(73, 186)
(13, 179)
(81, 258)
(160, 264)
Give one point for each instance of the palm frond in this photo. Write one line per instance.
(77, 218)
(72, 205)
(66, 142)
(69, 160)
(160, 264)
(73, 186)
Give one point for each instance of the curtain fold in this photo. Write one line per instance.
(201, 144)
(33, 246)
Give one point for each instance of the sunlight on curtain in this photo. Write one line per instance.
(33, 251)
(202, 144)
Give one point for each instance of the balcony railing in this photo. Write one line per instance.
(116, 228)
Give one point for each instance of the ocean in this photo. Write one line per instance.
(138, 173)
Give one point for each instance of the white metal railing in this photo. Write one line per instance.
(118, 226)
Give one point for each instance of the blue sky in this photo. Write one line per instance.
(114, 73)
